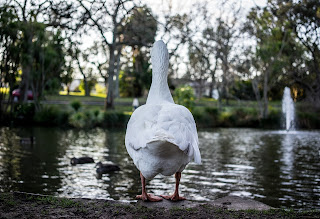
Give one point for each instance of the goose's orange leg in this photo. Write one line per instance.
(175, 196)
(145, 196)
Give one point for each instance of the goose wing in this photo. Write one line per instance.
(164, 122)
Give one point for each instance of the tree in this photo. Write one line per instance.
(303, 18)
(135, 77)
(82, 60)
(269, 58)
(213, 50)
(67, 75)
(10, 46)
(48, 63)
(41, 57)
(101, 64)
(141, 26)
(111, 17)
(210, 49)
(198, 66)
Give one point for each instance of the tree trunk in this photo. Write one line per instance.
(210, 90)
(257, 94)
(26, 67)
(86, 86)
(117, 73)
(265, 94)
(213, 79)
(110, 94)
(68, 89)
(35, 99)
(200, 90)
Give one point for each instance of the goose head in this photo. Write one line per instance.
(160, 58)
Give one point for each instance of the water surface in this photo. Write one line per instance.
(279, 168)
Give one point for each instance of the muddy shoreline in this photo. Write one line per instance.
(26, 205)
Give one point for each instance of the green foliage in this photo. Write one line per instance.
(91, 82)
(24, 111)
(273, 120)
(228, 117)
(184, 95)
(7, 199)
(135, 79)
(10, 52)
(53, 86)
(115, 119)
(95, 118)
(86, 119)
(78, 120)
(141, 26)
(76, 105)
(308, 120)
(51, 115)
(29, 47)
(242, 89)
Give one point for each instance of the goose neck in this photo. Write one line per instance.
(159, 90)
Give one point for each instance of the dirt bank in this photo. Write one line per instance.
(22, 205)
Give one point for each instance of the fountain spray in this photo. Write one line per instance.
(288, 109)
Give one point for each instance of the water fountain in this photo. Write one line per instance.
(288, 109)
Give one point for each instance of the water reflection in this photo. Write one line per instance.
(278, 168)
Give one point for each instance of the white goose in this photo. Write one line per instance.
(161, 136)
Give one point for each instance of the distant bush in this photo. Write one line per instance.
(184, 95)
(76, 105)
(307, 120)
(200, 118)
(238, 117)
(51, 115)
(273, 121)
(226, 119)
(24, 112)
(205, 117)
(115, 119)
(94, 118)
(77, 120)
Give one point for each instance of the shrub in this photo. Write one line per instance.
(51, 115)
(273, 120)
(24, 112)
(86, 119)
(245, 117)
(200, 118)
(78, 120)
(184, 95)
(308, 120)
(76, 105)
(94, 118)
(211, 116)
(111, 119)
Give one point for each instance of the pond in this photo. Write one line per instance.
(278, 168)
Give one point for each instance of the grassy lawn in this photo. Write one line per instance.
(206, 102)
(203, 102)
(79, 96)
